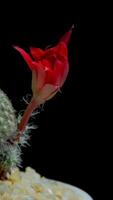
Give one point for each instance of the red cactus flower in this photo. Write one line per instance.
(49, 71)
(49, 68)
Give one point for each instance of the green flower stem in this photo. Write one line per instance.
(30, 108)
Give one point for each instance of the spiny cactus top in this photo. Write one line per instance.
(8, 121)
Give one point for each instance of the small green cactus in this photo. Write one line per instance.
(8, 121)
(9, 152)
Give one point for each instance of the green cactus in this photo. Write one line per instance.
(10, 153)
(8, 122)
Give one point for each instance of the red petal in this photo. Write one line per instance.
(49, 79)
(44, 73)
(41, 74)
(60, 72)
(51, 51)
(46, 63)
(62, 50)
(64, 73)
(57, 73)
(37, 53)
(67, 36)
(25, 56)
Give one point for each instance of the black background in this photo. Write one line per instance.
(64, 147)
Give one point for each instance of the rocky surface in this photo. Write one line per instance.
(29, 185)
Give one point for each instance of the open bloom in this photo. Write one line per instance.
(49, 68)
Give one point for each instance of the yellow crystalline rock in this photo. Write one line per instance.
(58, 194)
(29, 185)
(15, 176)
(37, 188)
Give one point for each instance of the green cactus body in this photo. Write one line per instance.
(8, 122)
(9, 153)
